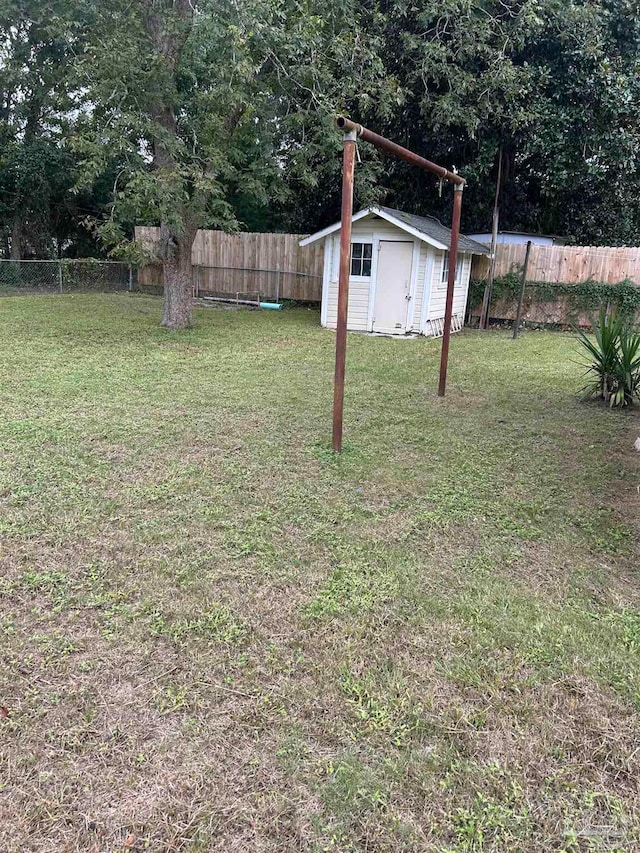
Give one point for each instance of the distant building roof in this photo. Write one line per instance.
(425, 228)
(520, 236)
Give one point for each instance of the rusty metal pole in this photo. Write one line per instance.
(348, 165)
(390, 147)
(451, 283)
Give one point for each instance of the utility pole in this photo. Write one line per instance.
(486, 299)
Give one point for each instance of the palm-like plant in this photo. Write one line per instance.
(614, 368)
(629, 367)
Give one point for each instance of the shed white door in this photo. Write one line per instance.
(393, 281)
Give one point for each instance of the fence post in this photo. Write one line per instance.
(523, 283)
(60, 274)
(277, 282)
(130, 277)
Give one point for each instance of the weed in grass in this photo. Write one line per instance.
(115, 613)
(606, 532)
(216, 625)
(324, 452)
(170, 698)
(7, 625)
(350, 791)
(353, 587)
(489, 823)
(54, 585)
(293, 750)
(389, 711)
(52, 582)
(51, 649)
(625, 625)
(360, 801)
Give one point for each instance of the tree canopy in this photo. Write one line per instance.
(192, 113)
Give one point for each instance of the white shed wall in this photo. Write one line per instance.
(360, 310)
(438, 295)
(358, 313)
(383, 230)
(415, 317)
(429, 295)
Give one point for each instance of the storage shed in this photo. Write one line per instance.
(399, 269)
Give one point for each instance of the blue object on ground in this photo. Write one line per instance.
(275, 306)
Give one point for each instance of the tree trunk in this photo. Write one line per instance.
(177, 276)
(168, 24)
(178, 290)
(16, 239)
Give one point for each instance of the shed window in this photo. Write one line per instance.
(361, 259)
(445, 270)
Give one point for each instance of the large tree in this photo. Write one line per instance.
(132, 68)
(208, 105)
(554, 84)
(37, 98)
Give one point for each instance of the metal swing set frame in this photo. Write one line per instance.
(352, 132)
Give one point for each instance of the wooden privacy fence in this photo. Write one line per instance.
(273, 265)
(556, 265)
(566, 264)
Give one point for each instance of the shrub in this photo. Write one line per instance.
(614, 367)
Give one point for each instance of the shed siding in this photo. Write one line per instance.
(420, 282)
(358, 292)
(358, 305)
(439, 291)
(358, 314)
(383, 230)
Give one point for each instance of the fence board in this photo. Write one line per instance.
(230, 263)
(565, 264)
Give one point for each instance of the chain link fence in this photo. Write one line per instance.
(241, 284)
(256, 284)
(65, 276)
(552, 304)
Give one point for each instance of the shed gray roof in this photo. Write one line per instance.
(424, 227)
(431, 227)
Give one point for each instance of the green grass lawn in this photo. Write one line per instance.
(215, 635)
